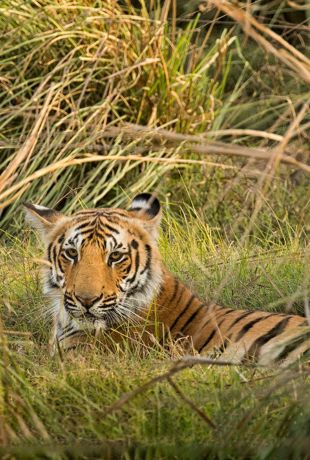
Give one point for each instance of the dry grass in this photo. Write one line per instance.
(74, 76)
(83, 80)
(285, 52)
(102, 101)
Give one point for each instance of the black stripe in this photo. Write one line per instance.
(49, 252)
(223, 347)
(70, 334)
(86, 239)
(174, 292)
(188, 303)
(193, 316)
(244, 315)
(112, 229)
(263, 339)
(210, 337)
(88, 212)
(86, 232)
(129, 255)
(85, 225)
(181, 291)
(292, 346)
(134, 244)
(213, 317)
(137, 264)
(70, 302)
(229, 310)
(68, 327)
(68, 296)
(175, 289)
(103, 233)
(114, 213)
(112, 237)
(60, 267)
(52, 284)
(137, 261)
(249, 326)
(148, 250)
(54, 254)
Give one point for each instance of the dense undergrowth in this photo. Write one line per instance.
(73, 72)
(235, 229)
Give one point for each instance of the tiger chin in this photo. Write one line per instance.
(103, 269)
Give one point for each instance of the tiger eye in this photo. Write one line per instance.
(71, 252)
(115, 256)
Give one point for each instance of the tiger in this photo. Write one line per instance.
(103, 268)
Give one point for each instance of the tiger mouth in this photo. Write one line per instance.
(110, 316)
(88, 316)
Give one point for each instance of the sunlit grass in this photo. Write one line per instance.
(63, 399)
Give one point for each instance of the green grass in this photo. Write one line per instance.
(62, 401)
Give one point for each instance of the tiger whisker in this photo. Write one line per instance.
(130, 313)
(132, 308)
(42, 314)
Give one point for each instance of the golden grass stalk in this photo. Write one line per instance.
(29, 146)
(245, 132)
(199, 144)
(67, 162)
(286, 53)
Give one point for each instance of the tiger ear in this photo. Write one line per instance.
(42, 218)
(147, 208)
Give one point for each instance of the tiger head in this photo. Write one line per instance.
(102, 265)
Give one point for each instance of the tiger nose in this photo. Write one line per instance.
(87, 301)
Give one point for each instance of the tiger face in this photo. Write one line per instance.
(102, 265)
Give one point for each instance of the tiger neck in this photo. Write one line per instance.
(176, 305)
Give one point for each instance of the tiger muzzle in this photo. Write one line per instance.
(87, 301)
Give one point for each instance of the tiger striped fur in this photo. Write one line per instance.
(103, 268)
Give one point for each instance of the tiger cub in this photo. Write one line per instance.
(103, 268)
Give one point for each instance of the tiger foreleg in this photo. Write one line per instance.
(65, 334)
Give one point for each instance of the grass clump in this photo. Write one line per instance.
(74, 70)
